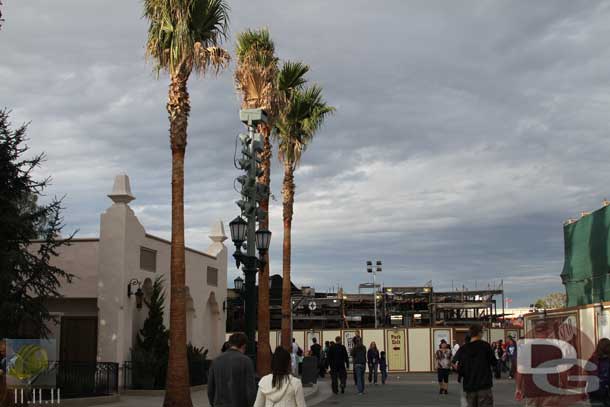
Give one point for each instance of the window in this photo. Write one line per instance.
(212, 276)
(148, 259)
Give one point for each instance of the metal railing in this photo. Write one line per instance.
(87, 379)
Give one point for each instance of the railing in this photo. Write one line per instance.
(145, 376)
(87, 379)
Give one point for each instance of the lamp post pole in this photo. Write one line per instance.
(245, 230)
(374, 270)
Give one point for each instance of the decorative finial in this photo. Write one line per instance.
(121, 191)
(217, 234)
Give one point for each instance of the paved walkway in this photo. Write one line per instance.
(419, 390)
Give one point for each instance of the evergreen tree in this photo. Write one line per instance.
(151, 351)
(154, 336)
(27, 279)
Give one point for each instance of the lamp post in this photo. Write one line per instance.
(374, 270)
(243, 231)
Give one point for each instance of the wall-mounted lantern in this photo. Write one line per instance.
(139, 293)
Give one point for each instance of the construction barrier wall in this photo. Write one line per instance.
(407, 349)
(591, 323)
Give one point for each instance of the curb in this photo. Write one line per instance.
(157, 393)
(90, 401)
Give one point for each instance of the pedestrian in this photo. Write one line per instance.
(231, 380)
(359, 360)
(511, 357)
(475, 361)
(355, 339)
(499, 356)
(383, 367)
(601, 359)
(338, 361)
(456, 346)
(280, 388)
(294, 357)
(316, 350)
(443, 366)
(372, 359)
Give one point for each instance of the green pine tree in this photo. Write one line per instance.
(27, 278)
(151, 351)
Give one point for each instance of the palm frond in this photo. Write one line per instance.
(187, 34)
(257, 70)
(292, 76)
(305, 113)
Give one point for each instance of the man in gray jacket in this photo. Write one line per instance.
(231, 381)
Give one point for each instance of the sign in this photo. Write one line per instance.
(348, 337)
(396, 349)
(439, 335)
(312, 305)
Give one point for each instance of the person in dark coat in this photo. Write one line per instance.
(316, 350)
(359, 360)
(338, 361)
(231, 381)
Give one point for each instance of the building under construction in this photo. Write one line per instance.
(394, 307)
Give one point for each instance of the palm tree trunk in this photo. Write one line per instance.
(263, 357)
(178, 392)
(288, 202)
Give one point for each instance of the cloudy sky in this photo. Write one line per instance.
(465, 133)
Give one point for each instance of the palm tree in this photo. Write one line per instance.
(183, 35)
(255, 78)
(302, 116)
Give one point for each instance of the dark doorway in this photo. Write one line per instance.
(78, 341)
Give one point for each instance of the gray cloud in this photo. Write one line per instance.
(465, 133)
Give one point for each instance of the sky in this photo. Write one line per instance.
(465, 134)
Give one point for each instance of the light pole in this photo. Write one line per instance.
(374, 270)
(243, 232)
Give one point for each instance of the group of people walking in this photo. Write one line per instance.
(338, 360)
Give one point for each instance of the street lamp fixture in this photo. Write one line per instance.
(239, 228)
(239, 284)
(139, 293)
(263, 239)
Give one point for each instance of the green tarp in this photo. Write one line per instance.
(585, 270)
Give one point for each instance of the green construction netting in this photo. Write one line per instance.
(585, 270)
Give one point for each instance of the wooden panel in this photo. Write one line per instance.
(373, 335)
(330, 335)
(300, 339)
(78, 339)
(497, 334)
(419, 349)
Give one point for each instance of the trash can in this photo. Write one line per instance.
(309, 375)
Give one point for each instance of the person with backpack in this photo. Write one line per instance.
(280, 388)
(601, 359)
(383, 367)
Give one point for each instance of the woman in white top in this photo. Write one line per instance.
(280, 388)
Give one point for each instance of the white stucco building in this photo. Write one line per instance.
(97, 319)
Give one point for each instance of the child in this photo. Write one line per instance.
(383, 366)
